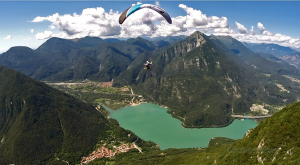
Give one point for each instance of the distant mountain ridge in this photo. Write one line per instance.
(274, 49)
(190, 76)
(261, 62)
(293, 59)
(109, 60)
(57, 55)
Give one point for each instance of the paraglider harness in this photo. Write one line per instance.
(147, 65)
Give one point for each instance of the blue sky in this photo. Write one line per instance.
(279, 21)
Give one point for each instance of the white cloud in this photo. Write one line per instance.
(194, 17)
(216, 22)
(268, 37)
(43, 35)
(264, 37)
(156, 3)
(222, 30)
(91, 22)
(265, 32)
(241, 28)
(261, 27)
(31, 30)
(136, 3)
(7, 37)
(252, 30)
(97, 22)
(49, 18)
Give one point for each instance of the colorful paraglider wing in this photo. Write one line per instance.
(134, 8)
(123, 16)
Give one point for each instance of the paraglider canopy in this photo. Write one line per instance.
(134, 8)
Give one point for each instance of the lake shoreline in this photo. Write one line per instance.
(178, 117)
(151, 123)
(219, 126)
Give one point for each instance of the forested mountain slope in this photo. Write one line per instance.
(39, 124)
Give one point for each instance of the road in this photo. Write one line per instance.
(250, 117)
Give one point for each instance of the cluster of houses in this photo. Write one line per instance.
(107, 153)
(259, 108)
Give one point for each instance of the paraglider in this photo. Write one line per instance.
(137, 7)
(147, 65)
(134, 8)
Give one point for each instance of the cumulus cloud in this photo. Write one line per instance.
(241, 28)
(268, 37)
(136, 3)
(31, 30)
(91, 22)
(261, 27)
(199, 21)
(216, 22)
(265, 32)
(222, 30)
(264, 36)
(43, 35)
(252, 30)
(7, 37)
(194, 17)
(97, 22)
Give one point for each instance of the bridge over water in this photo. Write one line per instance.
(250, 117)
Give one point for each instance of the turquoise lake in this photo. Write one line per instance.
(152, 123)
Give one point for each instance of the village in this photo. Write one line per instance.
(107, 153)
(259, 108)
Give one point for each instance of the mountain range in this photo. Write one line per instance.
(293, 59)
(60, 56)
(286, 54)
(274, 49)
(202, 79)
(41, 125)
